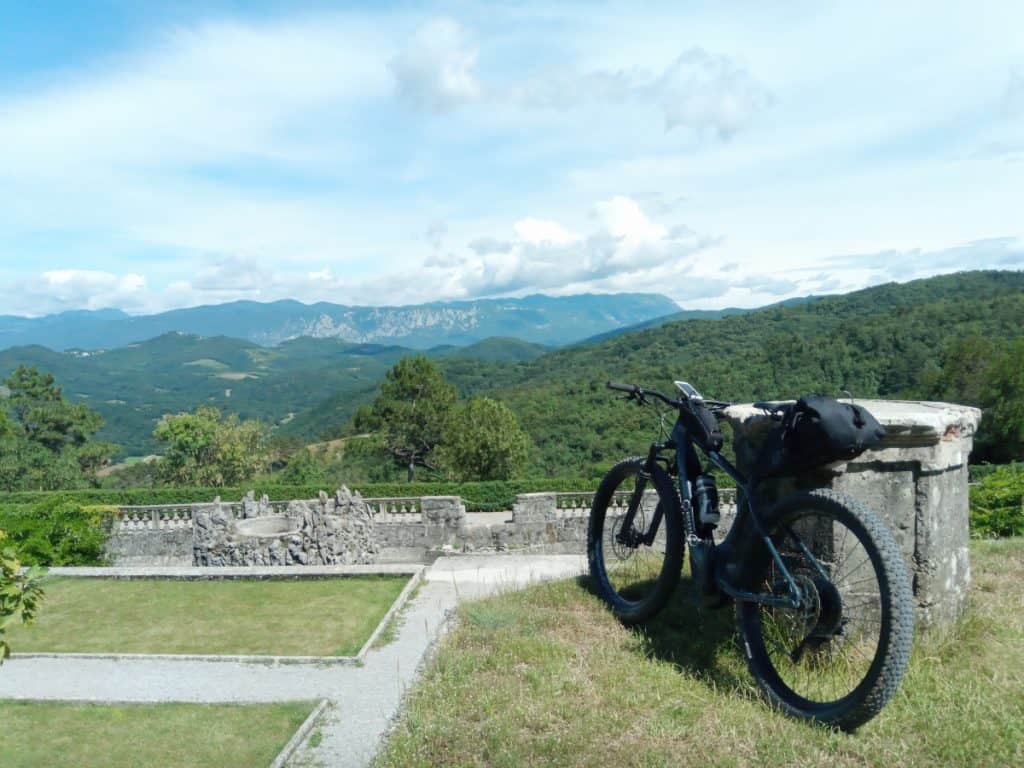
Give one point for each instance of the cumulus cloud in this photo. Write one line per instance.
(708, 92)
(624, 249)
(57, 290)
(543, 255)
(436, 69)
(699, 90)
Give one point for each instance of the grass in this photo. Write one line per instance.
(389, 634)
(307, 617)
(547, 677)
(63, 735)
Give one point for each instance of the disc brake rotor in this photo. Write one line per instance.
(625, 550)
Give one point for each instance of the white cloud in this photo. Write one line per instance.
(698, 90)
(542, 231)
(56, 290)
(906, 264)
(544, 255)
(624, 247)
(622, 217)
(436, 69)
(640, 255)
(708, 92)
(702, 91)
(266, 157)
(212, 92)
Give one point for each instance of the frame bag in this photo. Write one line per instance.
(816, 431)
(702, 426)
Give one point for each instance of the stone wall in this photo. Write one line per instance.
(334, 530)
(917, 480)
(404, 530)
(150, 547)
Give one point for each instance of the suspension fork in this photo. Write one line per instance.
(627, 534)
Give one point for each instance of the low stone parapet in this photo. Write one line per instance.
(916, 479)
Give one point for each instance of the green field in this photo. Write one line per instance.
(62, 735)
(308, 617)
(548, 677)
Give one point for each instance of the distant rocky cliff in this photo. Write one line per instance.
(551, 320)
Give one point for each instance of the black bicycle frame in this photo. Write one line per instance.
(726, 561)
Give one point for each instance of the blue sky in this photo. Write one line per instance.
(164, 154)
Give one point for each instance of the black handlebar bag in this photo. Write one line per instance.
(816, 431)
(702, 426)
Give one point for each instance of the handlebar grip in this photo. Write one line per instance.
(622, 387)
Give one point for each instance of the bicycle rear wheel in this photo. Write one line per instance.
(636, 579)
(839, 656)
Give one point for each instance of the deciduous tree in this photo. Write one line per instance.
(484, 442)
(205, 447)
(20, 593)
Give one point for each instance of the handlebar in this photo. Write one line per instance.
(640, 395)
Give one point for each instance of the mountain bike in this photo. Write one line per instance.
(824, 609)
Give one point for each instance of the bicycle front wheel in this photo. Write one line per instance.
(837, 657)
(635, 568)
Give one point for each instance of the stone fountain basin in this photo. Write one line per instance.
(269, 527)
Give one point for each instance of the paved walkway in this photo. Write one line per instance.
(364, 699)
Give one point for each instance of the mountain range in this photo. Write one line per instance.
(885, 341)
(549, 320)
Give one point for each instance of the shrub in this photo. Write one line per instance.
(997, 503)
(19, 592)
(57, 531)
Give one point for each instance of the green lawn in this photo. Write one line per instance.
(547, 677)
(307, 617)
(62, 735)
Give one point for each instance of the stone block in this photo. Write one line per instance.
(916, 480)
(534, 507)
(443, 510)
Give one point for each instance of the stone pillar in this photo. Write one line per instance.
(534, 508)
(916, 480)
(444, 510)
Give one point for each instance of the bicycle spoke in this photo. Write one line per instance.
(824, 648)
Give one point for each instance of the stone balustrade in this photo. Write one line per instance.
(917, 481)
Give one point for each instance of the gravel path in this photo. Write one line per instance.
(364, 699)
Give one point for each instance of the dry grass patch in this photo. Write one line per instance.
(547, 677)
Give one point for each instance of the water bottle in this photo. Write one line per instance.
(705, 492)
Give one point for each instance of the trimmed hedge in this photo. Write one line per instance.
(478, 497)
(997, 504)
(979, 472)
(57, 531)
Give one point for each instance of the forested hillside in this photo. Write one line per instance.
(949, 337)
(892, 341)
(131, 387)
